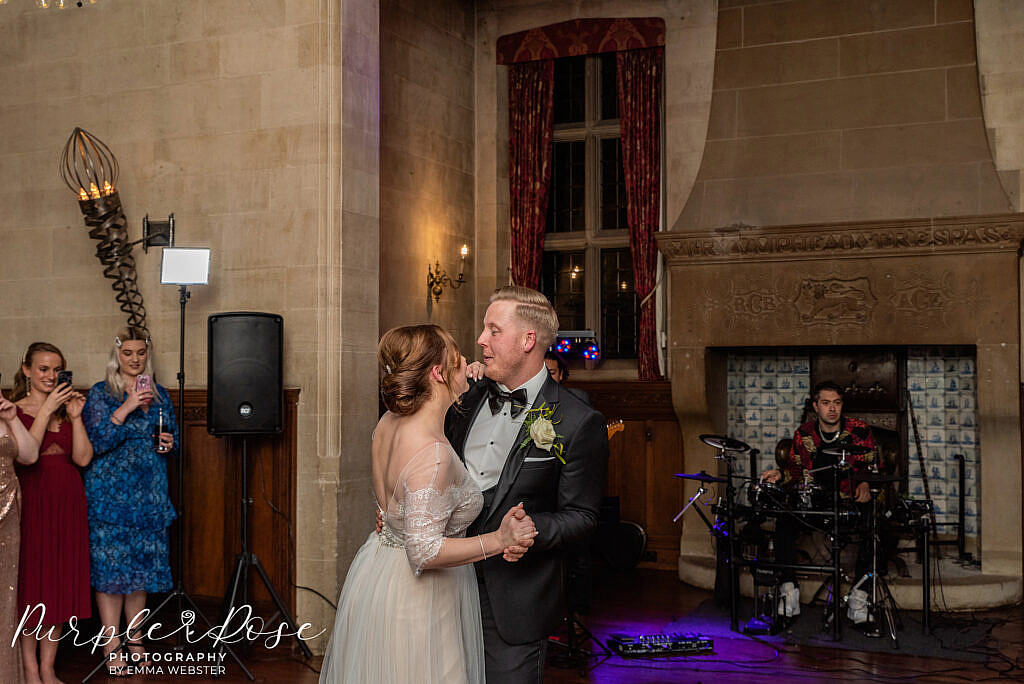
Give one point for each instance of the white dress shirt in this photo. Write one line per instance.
(491, 436)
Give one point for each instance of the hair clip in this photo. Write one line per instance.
(117, 341)
(387, 369)
(148, 342)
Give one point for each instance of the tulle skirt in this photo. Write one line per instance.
(393, 626)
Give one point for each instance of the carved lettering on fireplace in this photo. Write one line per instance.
(923, 294)
(758, 301)
(835, 301)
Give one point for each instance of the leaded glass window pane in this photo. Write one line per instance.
(562, 282)
(618, 305)
(568, 188)
(570, 90)
(613, 186)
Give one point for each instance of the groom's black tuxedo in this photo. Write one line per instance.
(563, 501)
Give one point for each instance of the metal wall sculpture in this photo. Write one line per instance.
(90, 169)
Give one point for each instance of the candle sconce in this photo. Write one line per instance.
(90, 170)
(437, 278)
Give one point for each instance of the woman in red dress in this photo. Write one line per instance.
(54, 567)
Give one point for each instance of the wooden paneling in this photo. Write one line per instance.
(213, 498)
(643, 461)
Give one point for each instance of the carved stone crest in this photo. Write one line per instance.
(834, 301)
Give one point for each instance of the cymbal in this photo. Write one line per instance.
(724, 443)
(701, 477)
(846, 450)
(879, 478)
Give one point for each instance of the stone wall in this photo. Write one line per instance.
(859, 110)
(427, 162)
(999, 27)
(256, 124)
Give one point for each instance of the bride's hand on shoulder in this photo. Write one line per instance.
(475, 371)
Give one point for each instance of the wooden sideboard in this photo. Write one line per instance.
(643, 461)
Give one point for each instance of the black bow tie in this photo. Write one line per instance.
(496, 398)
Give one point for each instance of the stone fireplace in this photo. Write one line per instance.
(942, 282)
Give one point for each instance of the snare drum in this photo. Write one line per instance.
(812, 497)
(767, 496)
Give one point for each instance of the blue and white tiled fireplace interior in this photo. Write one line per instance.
(767, 391)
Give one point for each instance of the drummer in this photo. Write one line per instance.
(829, 428)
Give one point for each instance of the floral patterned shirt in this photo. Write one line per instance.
(805, 453)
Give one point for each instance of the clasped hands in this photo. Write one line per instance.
(516, 532)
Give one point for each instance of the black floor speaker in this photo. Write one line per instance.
(243, 373)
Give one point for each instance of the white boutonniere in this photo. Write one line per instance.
(540, 423)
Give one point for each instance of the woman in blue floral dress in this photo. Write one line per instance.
(126, 484)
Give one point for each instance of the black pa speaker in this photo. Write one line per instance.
(243, 373)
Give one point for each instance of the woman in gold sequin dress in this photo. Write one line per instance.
(16, 444)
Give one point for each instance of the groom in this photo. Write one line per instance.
(559, 483)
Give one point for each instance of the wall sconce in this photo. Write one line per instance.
(437, 278)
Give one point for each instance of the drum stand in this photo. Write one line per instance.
(833, 586)
(882, 602)
(730, 534)
(724, 445)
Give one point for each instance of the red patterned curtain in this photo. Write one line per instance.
(640, 86)
(531, 88)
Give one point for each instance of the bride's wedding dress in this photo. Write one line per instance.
(396, 621)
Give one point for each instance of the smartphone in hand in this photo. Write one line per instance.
(143, 383)
(65, 377)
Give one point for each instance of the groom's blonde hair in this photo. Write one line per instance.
(533, 309)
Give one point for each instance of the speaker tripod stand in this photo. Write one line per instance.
(236, 594)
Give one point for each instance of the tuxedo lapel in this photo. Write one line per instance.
(548, 395)
(466, 413)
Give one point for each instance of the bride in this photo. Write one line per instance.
(409, 610)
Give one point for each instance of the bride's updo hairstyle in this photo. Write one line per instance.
(406, 355)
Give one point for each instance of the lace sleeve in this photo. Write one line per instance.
(428, 505)
(104, 435)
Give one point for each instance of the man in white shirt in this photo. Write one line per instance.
(557, 473)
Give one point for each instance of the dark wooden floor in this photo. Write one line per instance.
(648, 601)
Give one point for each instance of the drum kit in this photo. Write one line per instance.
(817, 506)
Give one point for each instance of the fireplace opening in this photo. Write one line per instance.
(760, 395)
